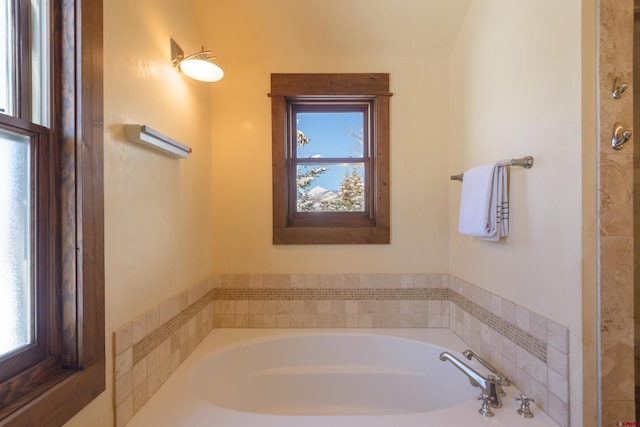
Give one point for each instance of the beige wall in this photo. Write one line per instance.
(334, 36)
(241, 121)
(158, 210)
(516, 90)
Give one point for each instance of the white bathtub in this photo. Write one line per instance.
(300, 378)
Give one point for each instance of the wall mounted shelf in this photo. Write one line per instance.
(145, 135)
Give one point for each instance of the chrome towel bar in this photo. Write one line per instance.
(525, 162)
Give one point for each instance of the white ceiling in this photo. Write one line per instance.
(339, 28)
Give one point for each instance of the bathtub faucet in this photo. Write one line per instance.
(488, 385)
(501, 380)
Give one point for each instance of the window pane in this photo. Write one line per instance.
(330, 188)
(15, 242)
(6, 59)
(40, 62)
(329, 134)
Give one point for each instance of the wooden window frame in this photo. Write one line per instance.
(290, 227)
(336, 104)
(73, 373)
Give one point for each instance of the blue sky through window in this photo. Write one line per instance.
(331, 134)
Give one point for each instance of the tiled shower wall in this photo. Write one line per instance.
(530, 349)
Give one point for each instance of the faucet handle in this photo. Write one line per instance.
(485, 410)
(504, 381)
(524, 410)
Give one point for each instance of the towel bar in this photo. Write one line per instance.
(525, 162)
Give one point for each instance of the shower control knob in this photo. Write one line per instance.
(619, 136)
(619, 87)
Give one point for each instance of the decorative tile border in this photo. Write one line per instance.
(521, 338)
(330, 281)
(332, 294)
(146, 345)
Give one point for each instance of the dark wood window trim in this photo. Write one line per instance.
(53, 391)
(330, 227)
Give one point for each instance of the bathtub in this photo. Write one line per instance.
(307, 378)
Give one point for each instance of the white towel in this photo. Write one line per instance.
(484, 203)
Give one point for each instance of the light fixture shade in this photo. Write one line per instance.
(198, 66)
(201, 69)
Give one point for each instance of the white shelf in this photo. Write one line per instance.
(145, 135)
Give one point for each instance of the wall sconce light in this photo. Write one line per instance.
(197, 66)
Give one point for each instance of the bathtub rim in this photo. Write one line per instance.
(401, 334)
(263, 356)
(176, 390)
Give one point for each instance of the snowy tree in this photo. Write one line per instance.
(352, 192)
(301, 139)
(303, 181)
(351, 196)
(306, 178)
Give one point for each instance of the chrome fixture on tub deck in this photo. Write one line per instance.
(488, 385)
(500, 379)
(525, 402)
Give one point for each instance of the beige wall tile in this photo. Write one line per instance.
(124, 411)
(616, 194)
(123, 338)
(139, 328)
(140, 396)
(123, 363)
(614, 412)
(123, 387)
(617, 358)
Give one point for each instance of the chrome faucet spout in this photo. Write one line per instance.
(487, 385)
(470, 354)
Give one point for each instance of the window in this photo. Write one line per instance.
(16, 329)
(330, 158)
(25, 200)
(330, 169)
(24, 240)
(52, 360)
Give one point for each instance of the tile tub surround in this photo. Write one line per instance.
(331, 308)
(530, 349)
(150, 348)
